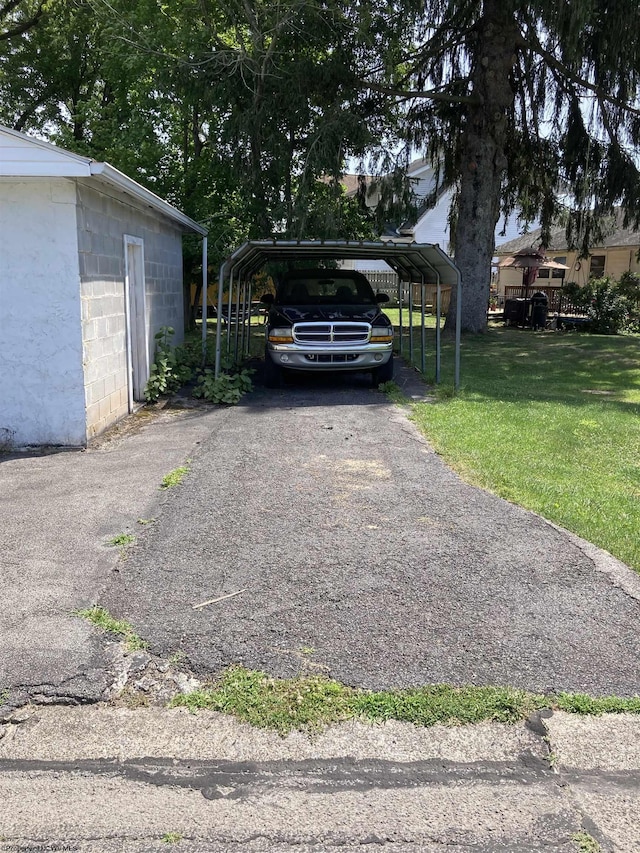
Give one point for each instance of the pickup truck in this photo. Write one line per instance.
(326, 320)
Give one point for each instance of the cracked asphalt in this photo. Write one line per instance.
(347, 547)
(335, 539)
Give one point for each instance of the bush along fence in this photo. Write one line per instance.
(175, 366)
(610, 306)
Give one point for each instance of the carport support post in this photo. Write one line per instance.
(236, 332)
(423, 339)
(244, 290)
(456, 381)
(400, 290)
(205, 300)
(438, 316)
(438, 312)
(223, 268)
(411, 321)
(229, 304)
(248, 347)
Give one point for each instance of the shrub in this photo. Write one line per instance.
(602, 301)
(171, 368)
(629, 287)
(607, 307)
(228, 388)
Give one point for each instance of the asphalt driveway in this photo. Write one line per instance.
(337, 541)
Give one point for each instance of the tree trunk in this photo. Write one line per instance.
(483, 162)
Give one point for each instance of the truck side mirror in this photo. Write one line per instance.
(267, 298)
(382, 297)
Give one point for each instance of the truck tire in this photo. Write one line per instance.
(272, 373)
(384, 373)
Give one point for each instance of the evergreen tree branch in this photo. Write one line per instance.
(430, 94)
(562, 69)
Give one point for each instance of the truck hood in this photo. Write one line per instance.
(326, 314)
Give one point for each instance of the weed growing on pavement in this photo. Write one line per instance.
(272, 703)
(145, 521)
(174, 478)
(122, 539)
(171, 837)
(177, 658)
(586, 843)
(101, 618)
(314, 701)
(580, 703)
(393, 392)
(441, 703)
(311, 702)
(228, 388)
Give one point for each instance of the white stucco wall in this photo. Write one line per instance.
(104, 217)
(41, 376)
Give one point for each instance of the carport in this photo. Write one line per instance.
(414, 263)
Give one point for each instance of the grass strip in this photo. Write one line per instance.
(551, 422)
(101, 618)
(311, 702)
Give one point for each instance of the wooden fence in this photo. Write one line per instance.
(383, 282)
(558, 303)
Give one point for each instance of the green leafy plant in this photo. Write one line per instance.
(171, 368)
(586, 843)
(172, 837)
(629, 287)
(227, 388)
(101, 618)
(174, 478)
(122, 539)
(602, 301)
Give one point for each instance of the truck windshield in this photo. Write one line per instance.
(324, 291)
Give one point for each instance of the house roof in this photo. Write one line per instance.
(23, 156)
(618, 236)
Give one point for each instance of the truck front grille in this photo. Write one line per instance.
(331, 357)
(331, 333)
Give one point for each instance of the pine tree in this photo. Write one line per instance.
(527, 106)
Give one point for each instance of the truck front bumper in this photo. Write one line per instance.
(296, 357)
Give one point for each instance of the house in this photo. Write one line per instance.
(90, 270)
(618, 253)
(431, 223)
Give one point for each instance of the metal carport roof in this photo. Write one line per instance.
(421, 263)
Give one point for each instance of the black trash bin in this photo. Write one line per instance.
(539, 310)
(515, 312)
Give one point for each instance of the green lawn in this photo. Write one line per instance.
(551, 422)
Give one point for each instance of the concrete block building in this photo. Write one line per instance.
(90, 270)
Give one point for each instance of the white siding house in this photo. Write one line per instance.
(90, 269)
(432, 224)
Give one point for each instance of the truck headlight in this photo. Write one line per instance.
(281, 336)
(381, 334)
